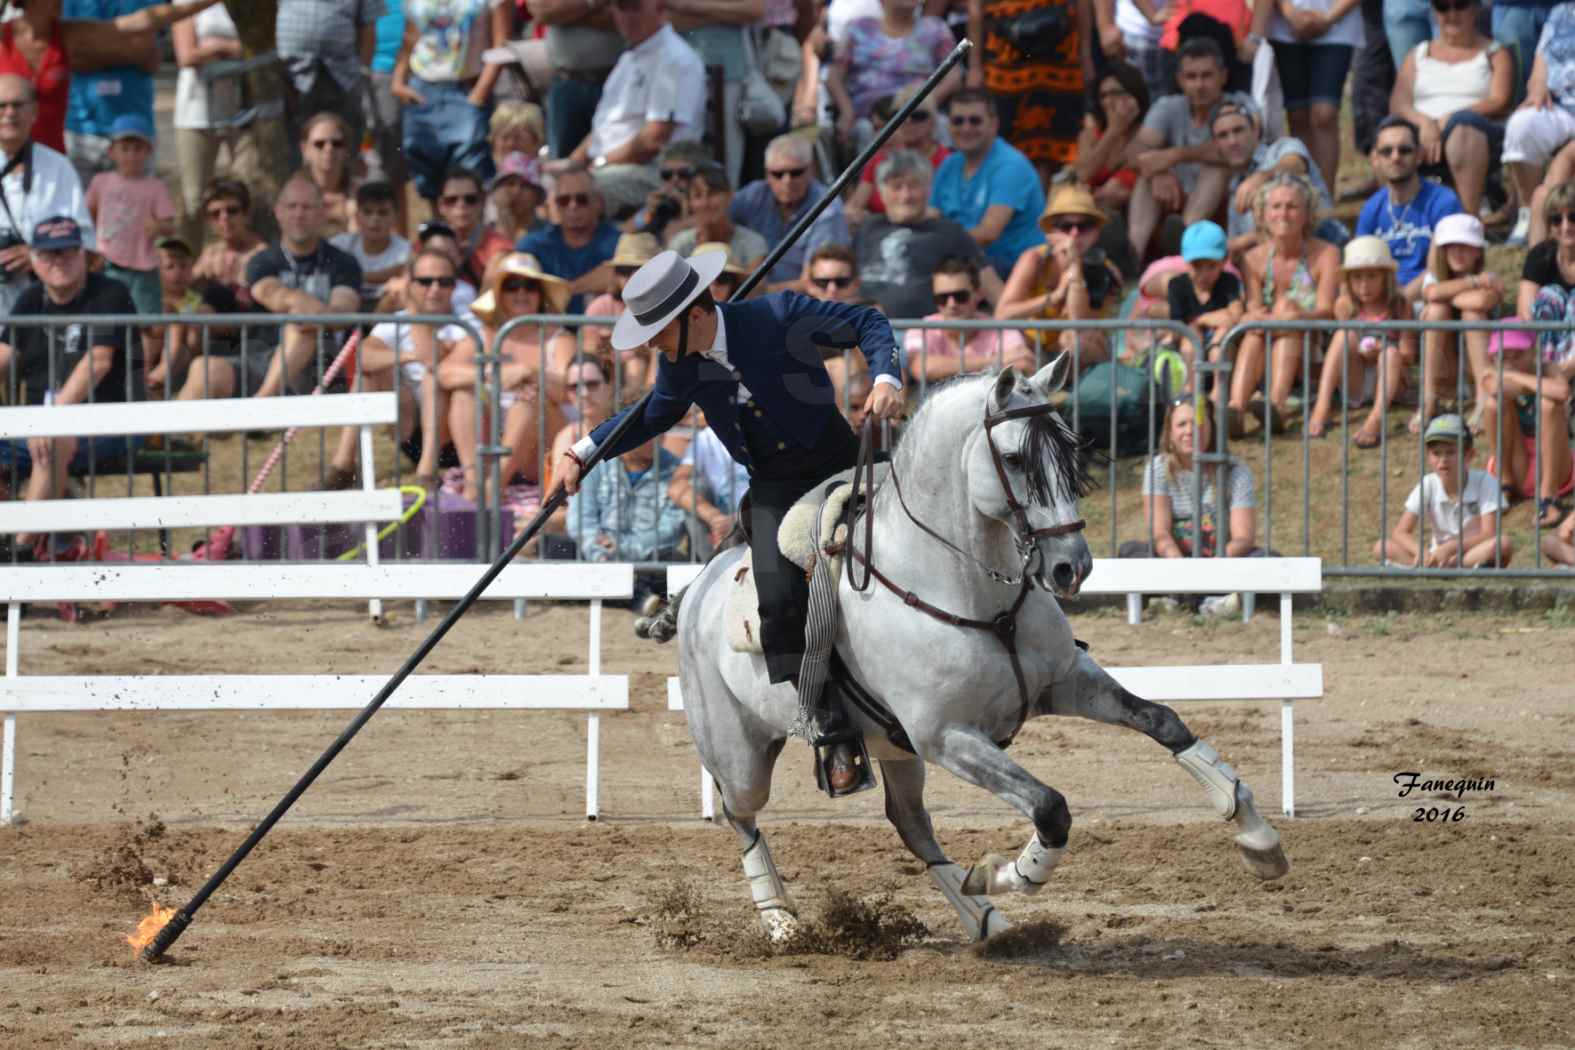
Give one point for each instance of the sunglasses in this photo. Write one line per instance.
(832, 282)
(328, 144)
(1392, 151)
(1444, 7)
(669, 174)
(585, 386)
(441, 282)
(787, 173)
(452, 199)
(625, 271)
(1074, 225)
(223, 211)
(967, 120)
(961, 297)
(579, 200)
(1560, 218)
(921, 116)
(513, 285)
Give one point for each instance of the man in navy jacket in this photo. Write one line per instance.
(756, 370)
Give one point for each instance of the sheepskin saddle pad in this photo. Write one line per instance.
(801, 542)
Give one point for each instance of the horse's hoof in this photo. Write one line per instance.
(1263, 855)
(780, 924)
(994, 925)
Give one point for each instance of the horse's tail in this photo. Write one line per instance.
(660, 624)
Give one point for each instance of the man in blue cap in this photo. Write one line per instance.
(756, 368)
(69, 365)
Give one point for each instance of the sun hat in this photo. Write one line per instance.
(1460, 229)
(1203, 240)
(554, 290)
(1070, 198)
(517, 166)
(1447, 427)
(717, 246)
(1367, 253)
(661, 290)
(1510, 340)
(636, 249)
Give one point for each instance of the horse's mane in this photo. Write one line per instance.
(1053, 454)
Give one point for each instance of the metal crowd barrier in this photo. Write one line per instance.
(554, 340)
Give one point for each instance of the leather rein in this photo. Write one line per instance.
(1004, 625)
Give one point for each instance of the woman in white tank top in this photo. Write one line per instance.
(1457, 89)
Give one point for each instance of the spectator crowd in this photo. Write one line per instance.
(487, 161)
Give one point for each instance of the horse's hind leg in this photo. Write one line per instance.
(744, 794)
(905, 809)
(1091, 692)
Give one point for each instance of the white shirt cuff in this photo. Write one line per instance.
(584, 447)
(892, 380)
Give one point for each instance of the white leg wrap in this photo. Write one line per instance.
(1219, 780)
(1027, 874)
(770, 894)
(979, 918)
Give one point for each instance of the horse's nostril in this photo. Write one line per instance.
(1062, 574)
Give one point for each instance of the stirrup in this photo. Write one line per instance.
(825, 744)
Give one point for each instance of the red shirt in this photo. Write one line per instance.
(51, 80)
(877, 205)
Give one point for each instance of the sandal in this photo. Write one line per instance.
(1365, 440)
(1549, 513)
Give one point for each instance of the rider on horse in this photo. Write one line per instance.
(756, 368)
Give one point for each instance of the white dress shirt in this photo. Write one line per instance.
(659, 79)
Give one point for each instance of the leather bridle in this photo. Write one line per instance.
(1004, 625)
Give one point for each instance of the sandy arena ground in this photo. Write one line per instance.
(440, 888)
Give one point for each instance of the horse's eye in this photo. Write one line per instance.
(1012, 459)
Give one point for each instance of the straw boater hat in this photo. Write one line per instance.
(636, 249)
(1367, 253)
(717, 246)
(1070, 198)
(555, 290)
(661, 290)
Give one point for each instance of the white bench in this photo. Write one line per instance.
(1285, 681)
(370, 581)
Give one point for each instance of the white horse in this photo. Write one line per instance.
(987, 476)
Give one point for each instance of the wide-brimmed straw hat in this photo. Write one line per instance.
(554, 290)
(1367, 253)
(636, 249)
(661, 290)
(717, 246)
(1070, 199)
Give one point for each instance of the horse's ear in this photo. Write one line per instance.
(1001, 392)
(1052, 377)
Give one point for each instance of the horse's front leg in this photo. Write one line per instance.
(1090, 692)
(975, 758)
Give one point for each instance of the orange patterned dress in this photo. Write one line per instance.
(1040, 98)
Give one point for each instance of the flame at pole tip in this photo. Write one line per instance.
(149, 928)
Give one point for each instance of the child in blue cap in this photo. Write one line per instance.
(1207, 297)
(132, 209)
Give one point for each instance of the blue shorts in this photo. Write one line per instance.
(1312, 74)
(94, 452)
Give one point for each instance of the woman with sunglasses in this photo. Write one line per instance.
(1116, 108)
(1067, 278)
(1457, 89)
(917, 134)
(227, 208)
(535, 361)
(460, 206)
(326, 158)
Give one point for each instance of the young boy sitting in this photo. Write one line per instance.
(1463, 518)
(381, 252)
(167, 349)
(1203, 296)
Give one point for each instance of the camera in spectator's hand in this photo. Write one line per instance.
(665, 209)
(8, 240)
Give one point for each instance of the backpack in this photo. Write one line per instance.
(1091, 405)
